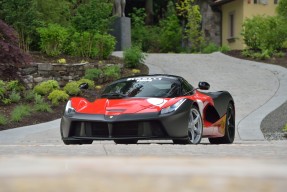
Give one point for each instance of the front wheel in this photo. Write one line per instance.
(229, 134)
(194, 129)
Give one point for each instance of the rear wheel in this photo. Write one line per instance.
(126, 141)
(195, 128)
(229, 134)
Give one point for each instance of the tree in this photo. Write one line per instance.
(54, 11)
(170, 30)
(95, 15)
(21, 14)
(191, 20)
(11, 56)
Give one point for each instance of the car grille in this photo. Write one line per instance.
(117, 130)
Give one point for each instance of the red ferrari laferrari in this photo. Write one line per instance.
(150, 107)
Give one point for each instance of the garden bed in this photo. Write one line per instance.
(57, 111)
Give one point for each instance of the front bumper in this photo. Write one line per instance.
(127, 126)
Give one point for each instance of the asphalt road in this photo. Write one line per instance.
(33, 158)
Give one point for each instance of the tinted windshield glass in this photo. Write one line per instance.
(144, 87)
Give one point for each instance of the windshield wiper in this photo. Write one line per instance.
(113, 94)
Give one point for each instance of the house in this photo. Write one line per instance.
(233, 14)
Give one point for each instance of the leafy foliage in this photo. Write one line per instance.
(14, 97)
(2, 89)
(93, 74)
(133, 57)
(112, 72)
(29, 95)
(90, 83)
(22, 15)
(43, 107)
(58, 95)
(3, 120)
(53, 39)
(224, 48)
(93, 15)
(105, 44)
(72, 88)
(210, 48)
(46, 87)
(91, 45)
(170, 31)
(14, 85)
(282, 8)
(54, 11)
(191, 19)
(20, 112)
(273, 37)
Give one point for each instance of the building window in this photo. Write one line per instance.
(231, 25)
(255, 1)
(275, 1)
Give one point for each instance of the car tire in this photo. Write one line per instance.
(77, 142)
(125, 141)
(229, 134)
(195, 128)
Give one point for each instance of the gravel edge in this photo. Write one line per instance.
(273, 123)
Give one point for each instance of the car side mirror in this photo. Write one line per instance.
(203, 85)
(84, 86)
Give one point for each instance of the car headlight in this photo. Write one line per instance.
(173, 107)
(69, 110)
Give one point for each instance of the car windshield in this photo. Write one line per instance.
(143, 87)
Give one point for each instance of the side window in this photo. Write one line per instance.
(186, 88)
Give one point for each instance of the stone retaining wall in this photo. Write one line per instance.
(63, 73)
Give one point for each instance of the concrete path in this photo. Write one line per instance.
(34, 158)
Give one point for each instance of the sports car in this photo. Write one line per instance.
(150, 107)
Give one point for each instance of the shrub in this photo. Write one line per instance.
(93, 15)
(14, 97)
(282, 8)
(72, 88)
(58, 95)
(29, 95)
(82, 44)
(46, 87)
(14, 85)
(2, 89)
(105, 45)
(170, 31)
(285, 128)
(20, 112)
(93, 74)
(43, 107)
(256, 55)
(52, 39)
(210, 48)
(133, 57)
(112, 72)
(264, 33)
(92, 45)
(90, 83)
(224, 48)
(3, 120)
(38, 99)
(6, 101)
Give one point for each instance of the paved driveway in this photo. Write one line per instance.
(34, 158)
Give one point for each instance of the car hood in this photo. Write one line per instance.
(118, 106)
